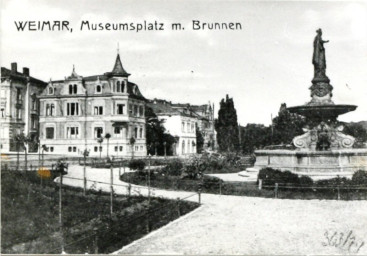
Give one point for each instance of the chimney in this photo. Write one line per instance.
(14, 68)
(26, 71)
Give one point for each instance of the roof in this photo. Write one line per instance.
(118, 69)
(20, 76)
(163, 107)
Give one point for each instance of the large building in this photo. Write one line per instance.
(205, 122)
(180, 122)
(102, 114)
(19, 108)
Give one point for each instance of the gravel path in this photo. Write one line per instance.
(245, 225)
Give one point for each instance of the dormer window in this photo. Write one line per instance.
(73, 89)
(98, 88)
(50, 90)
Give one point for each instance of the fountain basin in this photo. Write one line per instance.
(316, 164)
(322, 112)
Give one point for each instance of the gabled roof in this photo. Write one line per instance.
(118, 69)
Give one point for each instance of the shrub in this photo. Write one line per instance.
(271, 176)
(137, 164)
(305, 181)
(211, 183)
(334, 182)
(173, 168)
(359, 178)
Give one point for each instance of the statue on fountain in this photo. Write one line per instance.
(324, 132)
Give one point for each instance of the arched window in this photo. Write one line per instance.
(70, 89)
(75, 89)
(188, 146)
(122, 87)
(118, 85)
(50, 90)
(98, 89)
(183, 147)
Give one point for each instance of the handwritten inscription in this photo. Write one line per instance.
(345, 241)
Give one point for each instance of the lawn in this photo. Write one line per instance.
(30, 217)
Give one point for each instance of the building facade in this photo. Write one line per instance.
(19, 106)
(178, 121)
(102, 115)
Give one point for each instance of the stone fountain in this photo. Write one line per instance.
(323, 151)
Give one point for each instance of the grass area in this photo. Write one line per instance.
(30, 217)
(216, 186)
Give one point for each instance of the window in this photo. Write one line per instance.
(50, 132)
(72, 109)
(121, 148)
(69, 149)
(19, 113)
(118, 131)
(50, 90)
(72, 132)
(33, 122)
(51, 149)
(141, 148)
(188, 146)
(136, 132)
(136, 148)
(100, 149)
(98, 110)
(135, 110)
(183, 147)
(98, 89)
(19, 94)
(2, 112)
(50, 109)
(73, 89)
(74, 149)
(95, 149)
(183, 126)
(141, 111)
(130, 109)
(118, 86)
(120, 109)
(34, 103)
(98, 131)
(116, 148)
(188, 127)
(193, 128)
(141, 132)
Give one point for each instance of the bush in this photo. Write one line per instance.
(173, 168)
(211, 183)
(359, 178)
(305, 181)
(137, 165)
(271, 176)
(334, 182)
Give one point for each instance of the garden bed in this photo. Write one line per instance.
(30, 217)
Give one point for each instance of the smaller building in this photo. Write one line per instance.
(180, 122)
(19, 106)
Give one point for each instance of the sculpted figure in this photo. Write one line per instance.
(318, 59)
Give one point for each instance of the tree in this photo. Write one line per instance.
(157, 137)
(226, 126)
(357, 131)
(199, 140)
(108, 136)
(286, 126)
(254, 136)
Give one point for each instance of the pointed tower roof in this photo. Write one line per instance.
(118, 69)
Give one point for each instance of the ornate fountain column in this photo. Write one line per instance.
(323, 131)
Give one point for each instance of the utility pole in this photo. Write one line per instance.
(85, 145)
(149, 156)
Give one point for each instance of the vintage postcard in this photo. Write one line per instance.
(183, 127)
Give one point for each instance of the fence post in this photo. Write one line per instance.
(220, 188)
(178, 207)
(199, 193)
(338, 193)
(260, 184)
(276, 190)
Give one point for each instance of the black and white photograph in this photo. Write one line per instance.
(224, 127)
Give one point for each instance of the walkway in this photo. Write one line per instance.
(245, 225)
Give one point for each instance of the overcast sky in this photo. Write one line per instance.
(266, 63)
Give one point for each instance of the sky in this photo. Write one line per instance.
(265, 64)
